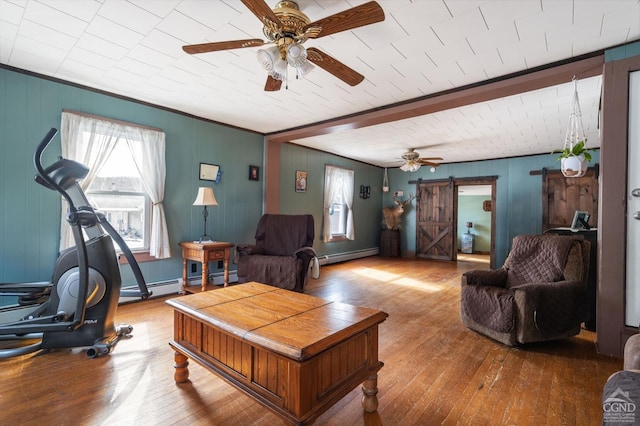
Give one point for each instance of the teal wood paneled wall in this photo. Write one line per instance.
(518, 195)
(470, 210)
(367, 212)
(622, 52)
(30, 214)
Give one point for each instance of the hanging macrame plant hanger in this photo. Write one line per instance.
(385, 181)
(574, 164)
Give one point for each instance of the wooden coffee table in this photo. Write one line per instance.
(296, 354)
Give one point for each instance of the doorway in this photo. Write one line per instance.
(438, 214)
(474, 222)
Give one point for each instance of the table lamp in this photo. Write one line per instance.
(205, 198)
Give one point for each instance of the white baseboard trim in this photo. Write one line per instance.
(351, 255)
(174, 286)
(164, 288)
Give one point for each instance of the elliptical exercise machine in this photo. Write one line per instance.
(77, 308)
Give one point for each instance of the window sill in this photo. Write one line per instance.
(140, 256)
(338, 238)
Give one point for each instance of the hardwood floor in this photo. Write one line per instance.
(436, 370)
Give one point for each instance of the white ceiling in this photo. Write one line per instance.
(133, 48)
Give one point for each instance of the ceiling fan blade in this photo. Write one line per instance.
(433, 145)
(359, 16)
(430, 158)
(272, 85)
(333, 66)
(263, 12)
(429, 163)
(222, 45)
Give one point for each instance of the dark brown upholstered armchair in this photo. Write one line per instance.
(281, 254)
(538, 294)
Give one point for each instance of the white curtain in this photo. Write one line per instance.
(104, 136)
(338, 187)
(151, 148)
(347, 194)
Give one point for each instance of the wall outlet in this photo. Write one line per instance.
(220, 264)
(398, 194)
(194, 267)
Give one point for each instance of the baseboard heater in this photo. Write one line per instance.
(351, 255)
(163, 288)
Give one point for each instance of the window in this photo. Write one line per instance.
(338, 204)
(126, 178)
(338, 219)
(117, 191)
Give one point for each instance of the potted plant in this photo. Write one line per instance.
(574, 159)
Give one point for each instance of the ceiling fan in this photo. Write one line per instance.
(413, 161)
(288, 28)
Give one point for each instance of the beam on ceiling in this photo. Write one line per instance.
(583, 67)
(526, 81)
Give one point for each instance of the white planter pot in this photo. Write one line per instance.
(574, 166)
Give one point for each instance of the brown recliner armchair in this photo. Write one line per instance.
(282, 252)
(538, 294)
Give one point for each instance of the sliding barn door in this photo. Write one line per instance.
(435, 221)
(562, 196)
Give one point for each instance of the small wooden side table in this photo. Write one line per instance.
(204, 253)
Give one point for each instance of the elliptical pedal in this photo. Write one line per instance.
(105, 345)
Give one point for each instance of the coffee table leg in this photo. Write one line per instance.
(181, 365)
(369, 392)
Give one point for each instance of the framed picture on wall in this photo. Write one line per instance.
(254, 173)
(209, 172)
(301, 181)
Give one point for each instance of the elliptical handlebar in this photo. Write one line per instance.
(142, 292)
(44, 176)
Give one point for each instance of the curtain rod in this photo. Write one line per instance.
(113, 120)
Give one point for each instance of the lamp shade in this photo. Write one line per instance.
(279, 71)
(205, 197)
(410, 166)
(296, 55)
(268, 57)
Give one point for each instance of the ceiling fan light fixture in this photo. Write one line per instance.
(279, 71)
(296, 55)
(410, 166)
(288, 28)
(305, 69)
(268, 57)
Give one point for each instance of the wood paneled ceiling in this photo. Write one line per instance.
(423, 48)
